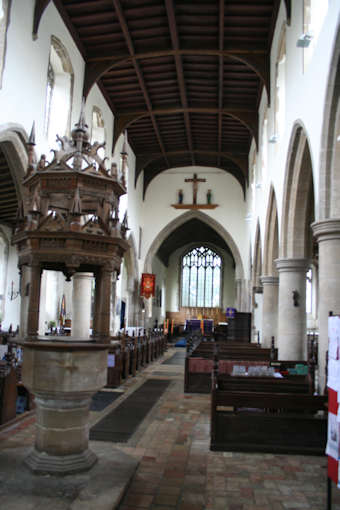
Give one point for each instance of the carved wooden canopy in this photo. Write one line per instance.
(69, 218)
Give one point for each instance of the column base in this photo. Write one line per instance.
(42, 463)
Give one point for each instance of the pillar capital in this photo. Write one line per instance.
(269, 280)
(326, 230)
(82, 276)
(292, 265)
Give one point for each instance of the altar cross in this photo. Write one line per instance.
(195, 182)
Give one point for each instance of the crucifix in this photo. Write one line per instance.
(195, 182)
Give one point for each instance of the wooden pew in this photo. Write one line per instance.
(8, 392)
(269, 422)
(115, 373)
(199, 364)
(265, 414)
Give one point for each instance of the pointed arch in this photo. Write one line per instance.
(131, 263)
(13, 155)
(298, 189)
(271, 239)
(329, 181)
(173, 225)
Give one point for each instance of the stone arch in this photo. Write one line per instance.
(173, 225)
(271, 239)
(298, 189)
(329, 181)
(13, 140)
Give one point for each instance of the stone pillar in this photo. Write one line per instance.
(103, 310)
(113, 303)
(292, 342)
(327, 234)
(270, 300)
(33, 290)
(24, 290)
(81, 305)
(238, 299)
(242, 295)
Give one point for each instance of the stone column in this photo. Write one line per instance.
(292, 342)
(113, 303)
(33, 299)
(103, 311)
(81, 305)
(242, 295)
(24, 289)
(270, 300)
(327, 234)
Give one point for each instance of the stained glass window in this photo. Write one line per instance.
(201, 278)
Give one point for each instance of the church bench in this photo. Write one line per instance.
(268, 422)
(289, 384)
(114, 374)
(200, 363)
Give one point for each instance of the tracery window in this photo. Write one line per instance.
(59, 91)
(280, 86)
(201, 276)
(98, 129)
(314, 12)
(4, 18)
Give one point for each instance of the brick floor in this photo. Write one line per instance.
(177, 471)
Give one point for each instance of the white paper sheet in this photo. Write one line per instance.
(111, 360)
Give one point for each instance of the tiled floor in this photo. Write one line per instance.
(177, 471)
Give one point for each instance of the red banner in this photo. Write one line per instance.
(147, 288)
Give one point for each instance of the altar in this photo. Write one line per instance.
(204, 325)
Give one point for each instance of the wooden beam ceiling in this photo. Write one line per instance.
(184, 78)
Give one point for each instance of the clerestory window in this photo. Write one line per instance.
(4, 20)
(201, 276)
(59, 92)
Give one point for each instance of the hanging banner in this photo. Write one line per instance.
(147, 288)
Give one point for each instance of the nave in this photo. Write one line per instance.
(174, 468)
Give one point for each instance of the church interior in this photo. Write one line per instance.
(169, 254)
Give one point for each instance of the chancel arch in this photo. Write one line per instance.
(166, 231)
(195, 231)
(296, 247)
(269, 278)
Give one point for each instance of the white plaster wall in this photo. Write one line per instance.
(12, 307)
(226, 192)
(25, 73)
(95, 98)
(305, 100)
(160, 270)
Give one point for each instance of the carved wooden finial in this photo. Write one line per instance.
(81, 124)
(76, 209)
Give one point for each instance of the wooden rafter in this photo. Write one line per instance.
(247, 117)
(143, 160)
(255, 60)
(39, 7)
(180, 75)
(128, 39)
(220, 77)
